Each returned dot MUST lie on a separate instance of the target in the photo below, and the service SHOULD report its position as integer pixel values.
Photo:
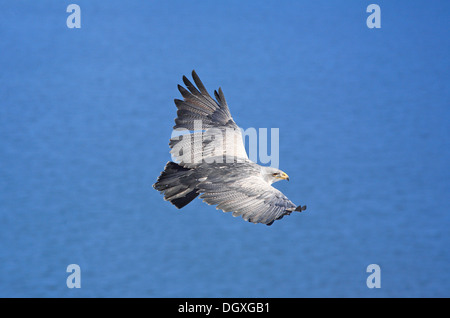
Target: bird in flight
(213, 163)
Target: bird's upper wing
(237, 188)
(209, 128)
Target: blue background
(86, 115)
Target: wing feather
(240, 189)
(210, 119)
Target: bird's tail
(178, 184)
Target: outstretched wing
(209, 129)
(244, 193)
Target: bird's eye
(275, 174)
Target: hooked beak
(284, 176)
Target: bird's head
(272, 175)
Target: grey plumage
(218, 170)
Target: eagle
(212, 162)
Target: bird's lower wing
(250, 197)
